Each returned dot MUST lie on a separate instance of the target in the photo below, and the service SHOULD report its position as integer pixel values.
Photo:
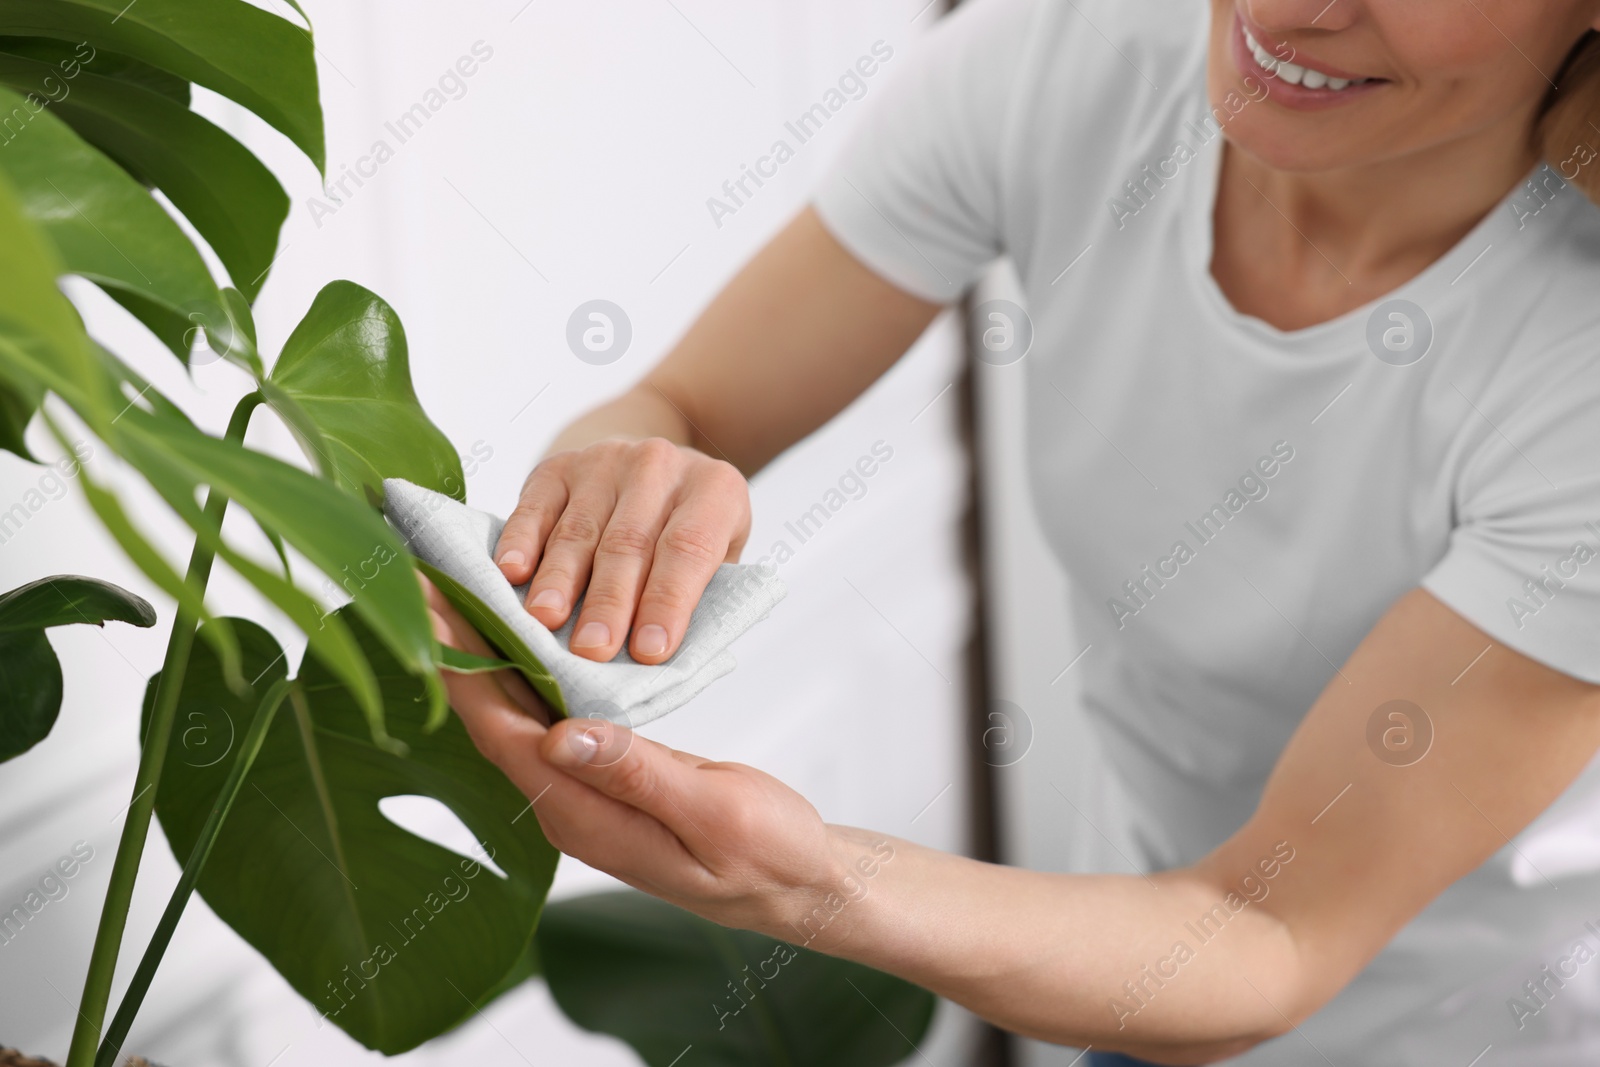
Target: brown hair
(1567, 131)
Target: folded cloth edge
(453, 544)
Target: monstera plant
(267, 777)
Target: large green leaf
(30, 674)
(42, 344)
(65, 61)
(70, 598)
(232, 199)
(17, 407)
(343, 385)
(107, 227)
(338, 533)
(662, 980)
(329, 640)
(249, 55)
(499, 635)
(148, 558)
(394, 938)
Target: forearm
(1080, 960)
(1185, 966)
(640, 412)
(796, 335)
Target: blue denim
(1114, 1059)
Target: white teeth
(1294, 73)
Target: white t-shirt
(1237, 505)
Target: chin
(1282, 139)
(1285, 150)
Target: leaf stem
(260, 723)
(130, 848)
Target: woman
(1313, 427)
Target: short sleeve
(1523, 563)
(915, 194)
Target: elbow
(1255, 1012)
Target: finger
(569, 553)
(449, 625)
(526, 697)
(621, 562)
(497, 724)
(614, 837)
(685, 798)
(694, 543)
(544, 495)
(467, 692)
(576, 818)
(452, 629)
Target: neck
(1373, 219)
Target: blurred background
(577, 164)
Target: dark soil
(10, 1057)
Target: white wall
(576, 165)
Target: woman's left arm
(1184, 966)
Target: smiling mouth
(1296, 73)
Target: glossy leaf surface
(249, 55)
(393, 937)
(30, 675)
(662, 980)
(343, 385)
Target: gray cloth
(459, 541)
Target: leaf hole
(431, 820)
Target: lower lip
(1297, 97)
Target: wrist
(833, 906)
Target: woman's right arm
(641, 499)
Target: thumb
(643, 774)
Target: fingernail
(592, 742)
(513, 559)
(592, 635)
(586, 744)
(651, 640)
(547, 598)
